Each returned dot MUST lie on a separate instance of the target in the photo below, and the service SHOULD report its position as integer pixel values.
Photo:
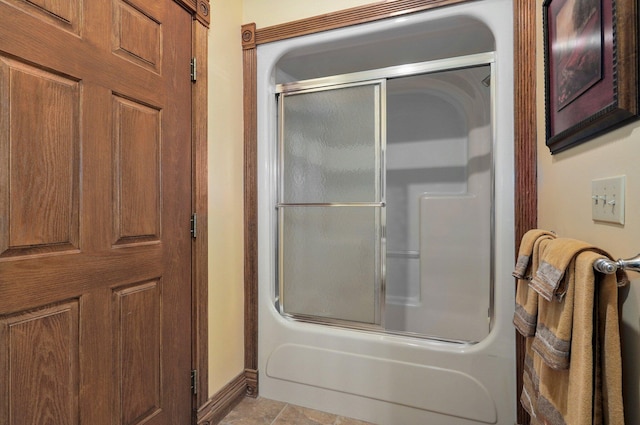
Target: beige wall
(226, 237)
(564, 205)
(266, 13)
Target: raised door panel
(138, 35)
(137, 348)
(39, 151)
(137, 171)
(40, 360)
(65, 14)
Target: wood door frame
(525, 136)
(200, 10)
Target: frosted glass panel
(439, 204)
(330, 146)
(329, 259)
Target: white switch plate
(607, 199)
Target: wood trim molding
(525, 116)
(250, 202)
(524, 131)
(199, 8)
(348, 17)
(203, 12)
(218, 406)
(248, 36)
(525, 139)
(200, 258)
(251, 376)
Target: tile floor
(262, 411)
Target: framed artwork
(591, 68)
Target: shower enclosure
(385, 218)
(385, 199)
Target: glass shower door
(330, 203)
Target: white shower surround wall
(382, 378)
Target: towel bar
(609, 267)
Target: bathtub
(384, 377)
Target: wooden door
(95, 205)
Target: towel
(526, 250)
(572, 371)
(548, 278)
(526, 310)
(555, 319)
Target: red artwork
(577, 48)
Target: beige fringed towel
(572, 372)
(526, 313)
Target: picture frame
(591, 69)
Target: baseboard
(223, 401)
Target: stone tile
(295, 415)
(251, 411)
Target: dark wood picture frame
(591, 69)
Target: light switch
(607, 199)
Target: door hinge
(194, 382)
(194, 225)
(194, 69)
